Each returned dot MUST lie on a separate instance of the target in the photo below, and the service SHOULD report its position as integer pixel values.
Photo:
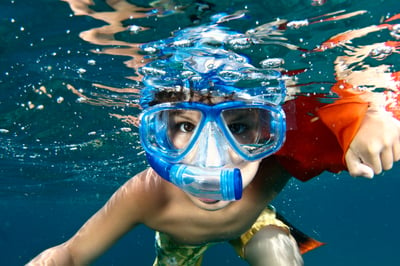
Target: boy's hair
(181, 95)
(201, 68)
(202, 75)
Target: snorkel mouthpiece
(219, 184)
(209, 183)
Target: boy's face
(211, 149)
(244, 127)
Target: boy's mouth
(208, 201)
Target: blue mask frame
(152, 131)
(219, 183)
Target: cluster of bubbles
(216, 36)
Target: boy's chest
(196, 226)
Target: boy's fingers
(373, 159)
(356, 167)
(396, 144)
(396, 151)
(387, 158)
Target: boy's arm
(318, 134)
(128, 207)
(366, 125)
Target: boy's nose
(213, 146)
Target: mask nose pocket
(211, 149)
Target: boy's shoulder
(146, 184)
(150, 190)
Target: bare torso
(148, 199)
(179, 217)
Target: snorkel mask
(206, 110)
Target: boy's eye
(186, 127)
(237, 128)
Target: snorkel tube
(209, 183)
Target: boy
(209, 127)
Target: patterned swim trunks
(170, 253)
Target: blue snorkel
(218, 184)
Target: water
(68, 105)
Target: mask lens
(181, 126)
(170, 131)
(255, 132)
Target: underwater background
(69, 91)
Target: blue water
(66, 141)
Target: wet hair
(190, 95)
(204, 73)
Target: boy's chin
(209, 204)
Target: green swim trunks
(170, 253)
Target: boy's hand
(376, 145)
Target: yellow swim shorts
(170, 253)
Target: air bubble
(240, 43)
(230, 75)
(380, 53)
(297, 24)
(395, 33)
(81, 71)
(153, 71)
(150, 50)
(272, 63)
(187, 73)
(60, 99)
(182, 43)
(134, 29)
(210, 66)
